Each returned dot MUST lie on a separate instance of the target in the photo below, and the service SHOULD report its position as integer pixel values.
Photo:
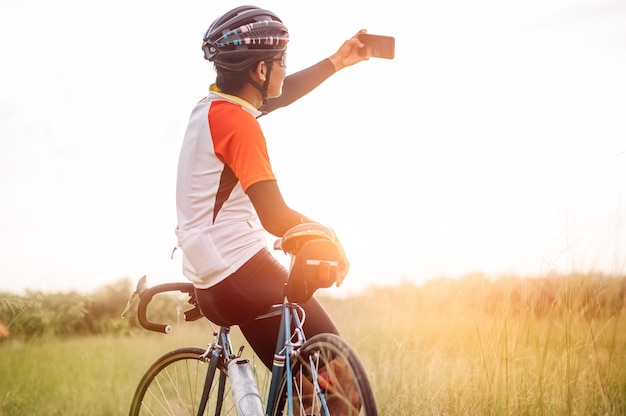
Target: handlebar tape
(145, 296)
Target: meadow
(469, 346)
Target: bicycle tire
(327, 355)
(173, 385)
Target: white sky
(495, 141)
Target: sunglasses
(282, 59)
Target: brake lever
(129, 303)
(141, 287)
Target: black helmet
(244, 36)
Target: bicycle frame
(288, 340)
(282, 355)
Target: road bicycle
(321, 375)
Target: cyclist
(227, 194)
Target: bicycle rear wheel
(173, 385)
(327, 375)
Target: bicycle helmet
(244, 36)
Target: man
(227, 194)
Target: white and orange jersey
(223, 153)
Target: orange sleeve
(239, 143)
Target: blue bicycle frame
(282, 355)
(281, 366)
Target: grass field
(467, 347)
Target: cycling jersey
(223, 153)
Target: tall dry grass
(451, 347)
(509, 347)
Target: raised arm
(299, 84)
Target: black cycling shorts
(250, 292)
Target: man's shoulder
(228, 113)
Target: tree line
(38, 314)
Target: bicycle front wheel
(173, 385)
(327, 378)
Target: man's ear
(260, 71)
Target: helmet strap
(266, 84)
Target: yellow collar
(213, 88)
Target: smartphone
(377, 46)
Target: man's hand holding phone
(361, 47)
